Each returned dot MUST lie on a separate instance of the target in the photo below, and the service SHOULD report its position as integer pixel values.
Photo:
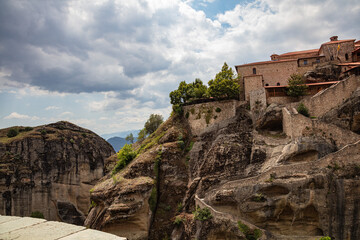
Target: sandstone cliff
(257, 182)
(50, 169)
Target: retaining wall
(296, 125)
(200, 116)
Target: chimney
(334, 38)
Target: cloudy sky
(107, 65)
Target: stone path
(26, 228)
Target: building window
(346, 56)
(254, 70)
(278, 84)
(331, 58)
(305, 62)
(267, 84)
(318, 60)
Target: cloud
(66, 114)
(133, 53)
(52, 108)
(15, 115)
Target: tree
(297, 86)
(224, 85)
(154, 121)
(141, 135)
(130, 138)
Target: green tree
(154, 121)
(12, 132)
(197, 89)
(297, 86)
(130, 138)
(224, 85)
(141, 135)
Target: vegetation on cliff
(223, 86)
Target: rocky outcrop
(256, 182)
(323, 73)
(141, 201)
(271, 119)
(50, 169)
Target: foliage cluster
(150, 126)
(202, 214)
(37, 214)
(224, 86)
(325, 238)
(178, 220)
(250, 234)
(297, 86)
(125, 156)
(13, 132)
(303, 110)
(130, 138)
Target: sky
(106, 65)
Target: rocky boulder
(50, 169)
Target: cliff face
(256, 182)
(50, 169)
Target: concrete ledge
(26, 228)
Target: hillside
(273, 174)
(50, 169)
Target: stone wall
(331, 51)
(332, 97)
(258, 100)
(296, 125)
(252, 83)
(200, 116)
(273, 72)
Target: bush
(125, 156)
(43, 132)
(178, 220)
(37, 214)
(325, 238)
(297, 86)
(218, 110)
(303, 110)
(202, 214)
(249, 234)
(12, 133)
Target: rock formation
(50, 169)
(239, 178)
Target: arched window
(278, 84)
(254, 70)
(267, 84)
(346, 56)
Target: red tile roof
(299, 52)
(339, 41)
(349, 64)
(308, 84)
(266, 62)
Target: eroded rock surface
(256, 182)
(141, 201)
(50, 169)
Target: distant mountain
(120, 134)
(117, 142)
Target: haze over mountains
(117, 139)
